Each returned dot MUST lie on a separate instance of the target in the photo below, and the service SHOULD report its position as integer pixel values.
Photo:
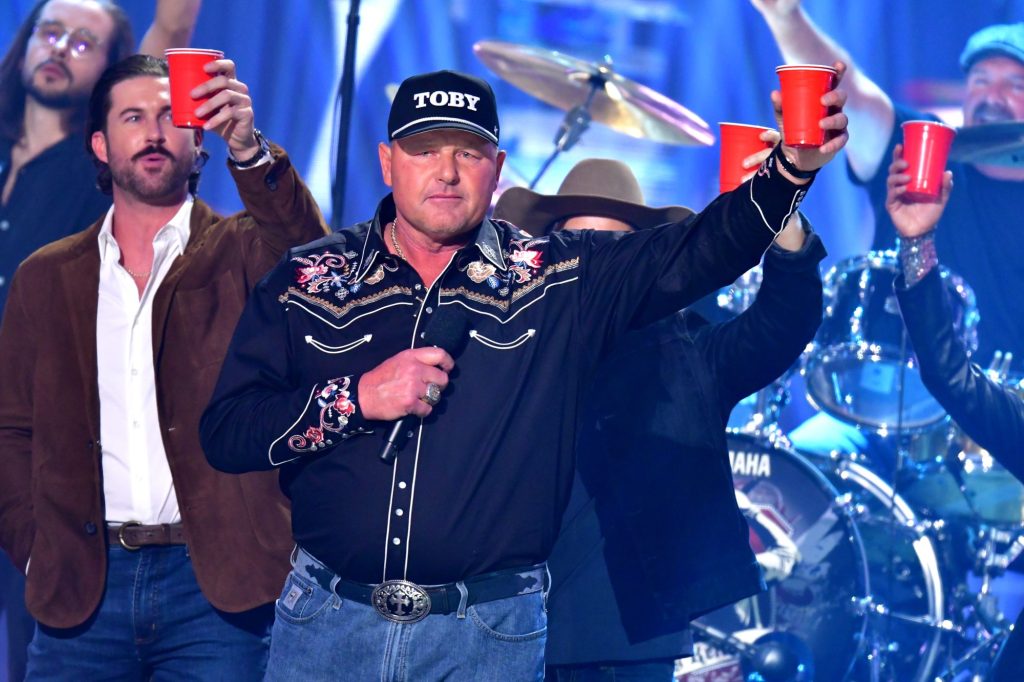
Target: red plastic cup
(186, 71)
(802, 86)
(926, 149)
(738, 142)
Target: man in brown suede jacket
(142, 560)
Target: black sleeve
(755, 348)
(647, 275)
(990, 413)
(259, 417)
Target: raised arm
(990, 414)
(762, 342)
(284, 210)
(650, 274)
(869, 109)
(172, 26)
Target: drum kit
(866, 560)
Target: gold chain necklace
(394, 242)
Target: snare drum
(861, 368)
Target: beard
(67, 98)
(163, 188)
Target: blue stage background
(715, 57)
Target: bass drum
(838, 549)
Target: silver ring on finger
(433, 396)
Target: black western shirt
(482, 483)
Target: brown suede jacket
(51, 489)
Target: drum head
(810, 552)
(861, 368)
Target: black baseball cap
(443, 99)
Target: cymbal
(619, 103)
(999, 144)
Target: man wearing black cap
(631, 548)
(431, 565)
(983, 217)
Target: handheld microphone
(446, 329)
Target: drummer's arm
(989, 413)
(992, 415)
(869, 109)
(755, 348)
(172, 26)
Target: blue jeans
(153, 623)
(641, 671)
(20, 625)
(318, 636)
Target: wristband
(789, 167)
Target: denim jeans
(20, 625)
(153, 623)
(318, 636)
(642, 671)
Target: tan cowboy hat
(602, 187)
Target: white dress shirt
(137, 483)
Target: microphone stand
(345, 88)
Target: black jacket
(988, 412)
(652, 537)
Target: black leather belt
(401, 601)
(133, 535)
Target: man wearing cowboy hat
(652, 480)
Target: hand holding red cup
(926, 147)
(802, 87)
(811, 116)
(186, 68)
(911, 216)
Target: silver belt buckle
(401, 601)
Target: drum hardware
(999, 366)
(982, 631)
(591, 92)
(994, 550)
(773, 657)
(868, 606)
(865, 593)
(860, 368)
(963, 482)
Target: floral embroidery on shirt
(335, 409)
(376, 277)
(321, 272)
(526, 262)
(479, 272)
